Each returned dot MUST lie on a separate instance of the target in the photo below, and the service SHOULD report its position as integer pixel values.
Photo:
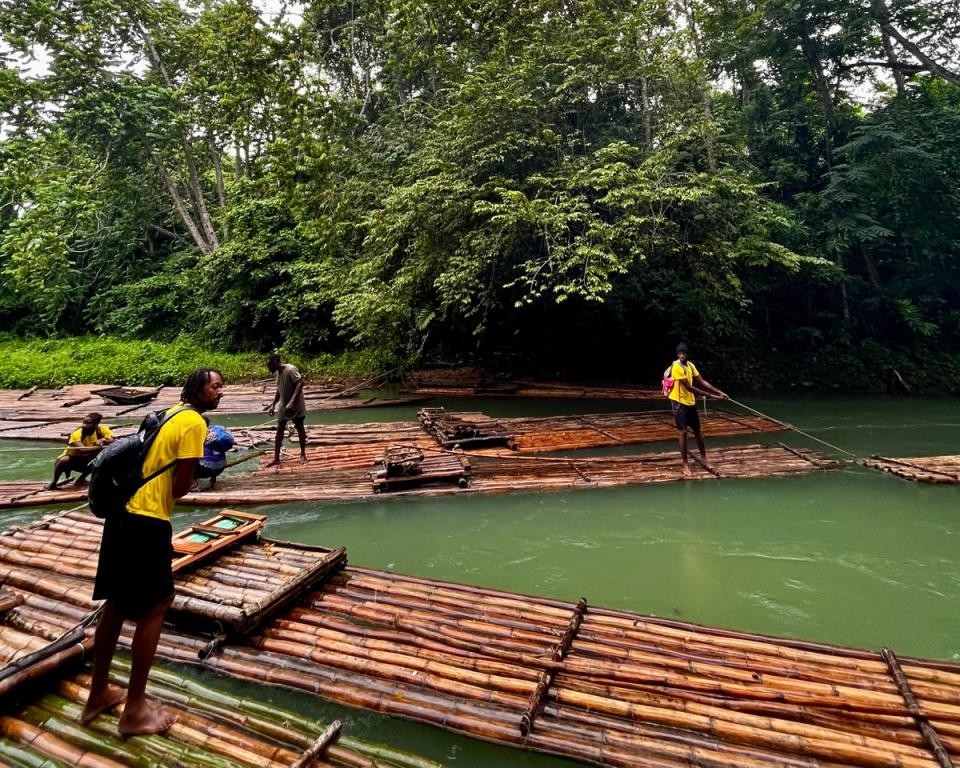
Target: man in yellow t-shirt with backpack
(687, 384)
(134, 572)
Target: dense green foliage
(95, 360)
(562, 186)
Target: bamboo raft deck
(596, 685)
(211, 728)
(331, 475)
(479, 382)
(528, 435)
(536, 435)
(222, 592)
(942, 470)
(43, 407)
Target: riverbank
(54, 363)
(92, 359)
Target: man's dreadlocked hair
(196, 381)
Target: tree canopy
(574, 183)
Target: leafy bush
(108, 360)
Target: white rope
(795, 429)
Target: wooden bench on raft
(464, 430)
(229, 579)
(404, 466)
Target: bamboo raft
(479, 382)
(942, 470)
(335, 475)
(536, 435)
(55, 559)
(596, 685)
(43, 407)
(211, 728)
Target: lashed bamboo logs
(72, 403)
(630, 690)
(478, 382)
(546, 677)
(930, 736)
(941, 470)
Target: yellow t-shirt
(77, 436)
(180, 438)
(677, 372)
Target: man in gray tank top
(293, 407)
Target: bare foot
(303, 459)
(96, 706)
(274, 463)
(146, 720)
(686, 471)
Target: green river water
(854, 557)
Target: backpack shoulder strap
(167, 416)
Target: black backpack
(116, 473)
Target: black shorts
(297, 422)
(79, 464)
(686, 416)
(135, 566)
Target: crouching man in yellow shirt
(134, 573)
(687, 384)
(84, 443)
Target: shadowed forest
(558, 186)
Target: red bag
(667, 383)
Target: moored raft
(333, 474)
(223, 588)
(479, 382)
(212, 728)
(941, 470)
(42, 407)
(597, 685)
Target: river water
(854, 557)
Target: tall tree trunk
(868, 261)
(194, 186)
(178, 203)
(702, 84)
(237, 161)
(196, 191)
(221, 187)
(645, 103)
(823, 91)
(894, 63)
(218, 168)
(880, 12)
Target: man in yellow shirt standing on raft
(687, 384)
(134, 574)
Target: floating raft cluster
(212, 728)
(336, 474)
(530, 435)
(595, 685)
(27, 413)
(942, 470)
(479, 382)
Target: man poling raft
(682, 383)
